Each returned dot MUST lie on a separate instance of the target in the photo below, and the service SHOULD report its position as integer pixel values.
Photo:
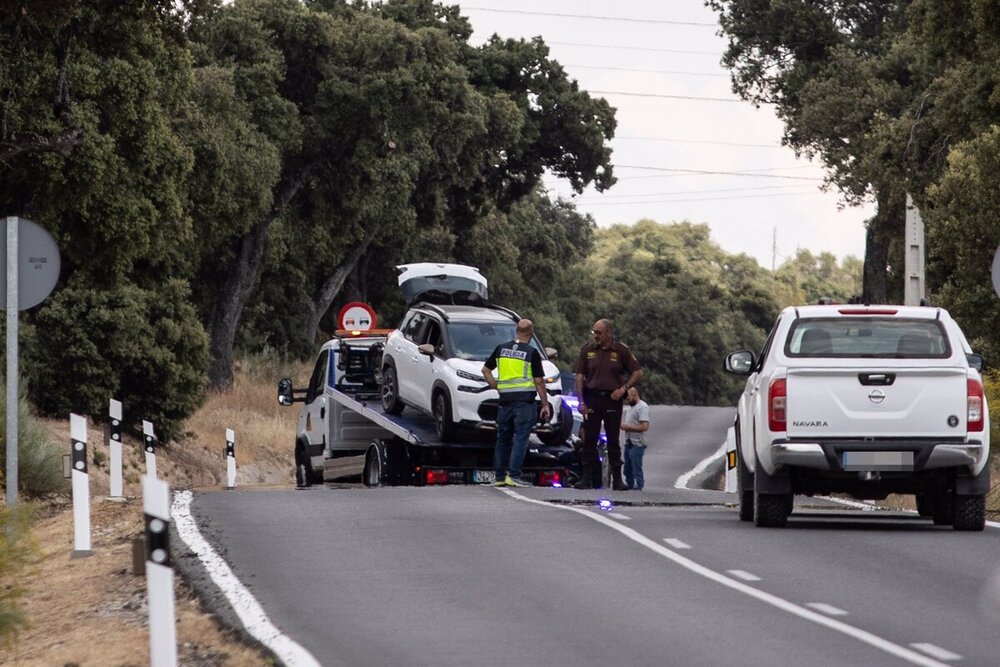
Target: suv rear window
(870, 337)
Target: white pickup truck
(866, 401)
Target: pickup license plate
(483, 477)
(878, 461)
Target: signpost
(30, 271)
(996, 272)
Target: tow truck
(344, 436)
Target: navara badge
(876, 396)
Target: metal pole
(13, 372)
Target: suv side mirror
(426, 348)
(286, 393)
(551, 353)
(740, 363)
(976, 361)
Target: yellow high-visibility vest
(514, 372)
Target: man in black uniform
(605, 371)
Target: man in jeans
(635, 422)
(519, 377)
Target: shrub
(15, 554)
(39, 460)
(143, 347)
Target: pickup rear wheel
(970, 512)
(390, 391)
(744, 484)
(443, 423)
(771, 509)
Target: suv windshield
(889, 338)
(477, 340)
(444, 289)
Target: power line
(671, 97)
(650, 71)
(604, 197)
(718, 173)
(700, 199)
(591, 16)
(699, 141)
(620, 47)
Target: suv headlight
(465, 375)
(552, 378)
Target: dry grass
(92, 611)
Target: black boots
(586, 476)
(616, 479)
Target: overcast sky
(662, 131)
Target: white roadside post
(159, 573)
(115, 447)
(230, 459)
(81, 487)
(731, 460)
(149, 444)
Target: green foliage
(143, 347)
(807, 277)
(39, 459)
(15, 555)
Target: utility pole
(914, 259)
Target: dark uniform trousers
(602, 408)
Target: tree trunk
(874, 288)
(332, 285)
(235, 292)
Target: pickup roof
(863, 400)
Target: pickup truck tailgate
(890, 402)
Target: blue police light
(605, 504)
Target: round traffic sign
(38, 264)
(357, 316)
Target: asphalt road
(483, 576)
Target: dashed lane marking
(824, 608)
(864, 636)
(675, 543)
(744, 575)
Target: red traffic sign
(357, 316)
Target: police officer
(605, 371)
(519, 376)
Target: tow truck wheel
(305, 476)
(373, 467)
(563, 430)
(443, 424)
(970, 512)
(390, 391)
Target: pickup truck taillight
(776, 397)
(975, 398)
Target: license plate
(483, 476)
(878, 461)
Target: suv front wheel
(390, 391)
(443, 423)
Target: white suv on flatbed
(867, 401)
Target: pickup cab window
(879, 338)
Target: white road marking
(682, 481)
(620, 517)
(675, 543)
(744, 575)
(826, 609)
(250, 612)
(805, 613)
(937, 652)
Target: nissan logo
(876, 396)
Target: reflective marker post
(115, 447)
(230, 459)
(731, 460)
(81, 487)
(159, 573)
(149, 444)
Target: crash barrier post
(159, 573)
(81, 486)
(730, 462)
(230, 459)
(149, 445)
(114, 434)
